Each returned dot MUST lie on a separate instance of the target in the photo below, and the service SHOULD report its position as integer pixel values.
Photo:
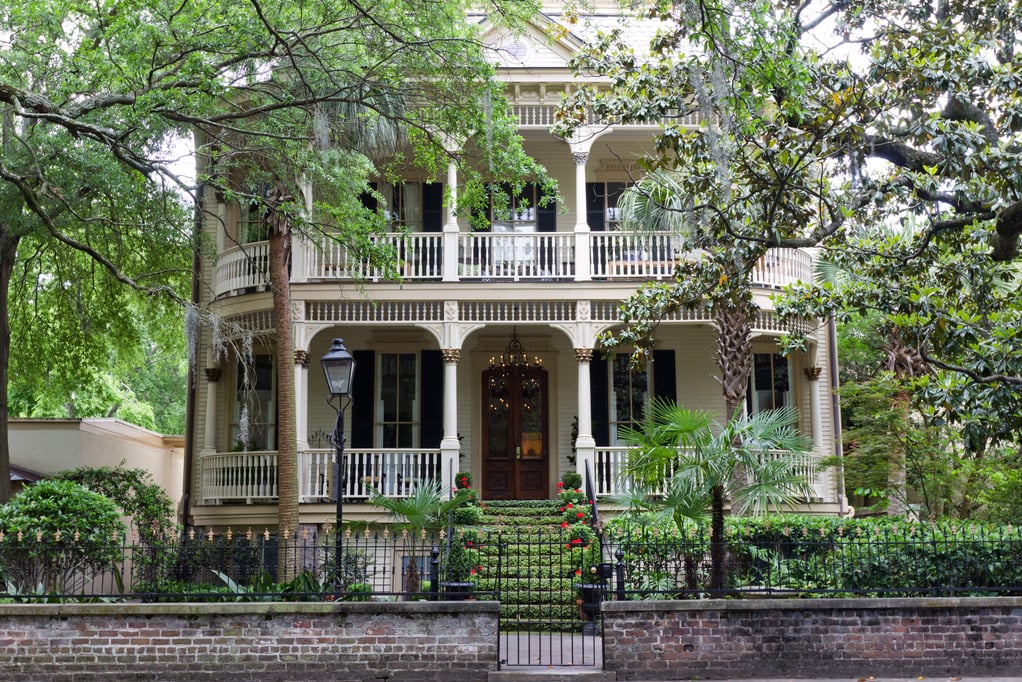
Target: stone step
(552, 674)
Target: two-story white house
(483, 358)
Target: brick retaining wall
(249, 641)
(441, 641)
(813, 638)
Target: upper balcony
(495, 257)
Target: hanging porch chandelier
(514, 355)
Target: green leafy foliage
(886, 133)
(133, 490)
(57, 535)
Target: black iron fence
(911, 560)
(227, 567)
(914, 560)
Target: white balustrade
(504, 256)
(419, 255)
(391, 472)
(516, 255)
(611, 461)
(242, 267)
(252, 476)
(238, 476)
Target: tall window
(402, 205)
(602, 212)
(398, 410)
(629, 392)
(769, 386)
(254, 413)
(251, 221)
(518, 212)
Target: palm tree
(688, 466)
(718, 280)
(424, 509)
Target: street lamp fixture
(339, 368)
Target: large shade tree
(94, 96)
(819, 122)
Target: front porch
(251, 477)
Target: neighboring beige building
(47, 446)
(431, 396)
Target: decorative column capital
(213, 374)
(302, 358)
(584, 354)
(813, 373)
(451, 355)
(580, 158)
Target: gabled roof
(550, 39)
(544, 43)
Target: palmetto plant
(687, 466)
(427, 507)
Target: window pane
(397, 409)
(629, 395)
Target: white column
(583, 269)
(302, 399)
(301, 248)
(450, 447)
(450, 267)
(585, 444)
(813, 375)
(213, 375)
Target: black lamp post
(339, 368)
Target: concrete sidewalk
(591, 674)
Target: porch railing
(504, 256)
(610, 478)
(248, 477)
(419, 255)
(242, 267)
(515, 256)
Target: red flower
(578, 571)
(561, 508)
(560, 484)
(569, 505)
(576, 541)
(564, 524)
(580, 514)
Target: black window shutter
(665, 384)
(595, 202)
(546, 215)
(431, 411)
(432, 207)
(599, 399)
(363, 399)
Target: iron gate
(550, 587)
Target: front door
(516, 443)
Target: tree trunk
(8, 254)
(897, 479)
(287, 437)
(734, 353)
(717, 554)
